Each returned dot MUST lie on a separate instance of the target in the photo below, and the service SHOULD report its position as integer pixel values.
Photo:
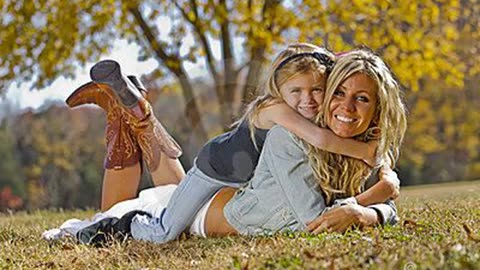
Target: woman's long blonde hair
(341, 176)
(282, 70)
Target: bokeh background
(210, 57)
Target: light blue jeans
(195, 189)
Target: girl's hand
(371, 159)
(341, 218)
(389, 181)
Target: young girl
(293, 94)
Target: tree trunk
(230, 75)
(191, 108)
(258, 56)
(253, 76)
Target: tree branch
(174, 64)
(159, 51)
(201, 35)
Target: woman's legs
(121, 163)
(121, 185)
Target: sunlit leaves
(432, 47)
(411, 35)
(49, 37)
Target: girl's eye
(295, 90)
(338, 93)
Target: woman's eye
(295, 90)
(363, 99)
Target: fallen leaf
(408, 222)
(470, 233)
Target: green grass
(439, 229)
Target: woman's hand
(341, 218)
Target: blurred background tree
(12, 187)
(61, 163)
(432, 46)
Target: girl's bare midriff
(215, 223)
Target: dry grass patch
(437, 231)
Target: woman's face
(353, 105)
(304, 93)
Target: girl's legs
(122, 168)
(170, 221)
(158, 149)
(215, 222)
(121, 163)
(160, 153)
(169, 171)
(188, 198)
(119, 185)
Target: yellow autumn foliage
(431, 46)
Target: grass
(439, 229)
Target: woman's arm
(374, 206)
(388, 187)
(322, 138)
(344, 217)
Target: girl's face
(353, 106)
(304, 93)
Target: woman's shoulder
(280, 138)
(278, 132)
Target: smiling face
(353, 104)
(304, 93)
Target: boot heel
(109, 72)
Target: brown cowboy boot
(122, 148)
(151, 136)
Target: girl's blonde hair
(341, 176)
(296, 59)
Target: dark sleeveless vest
(232, 157)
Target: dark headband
(321, 57)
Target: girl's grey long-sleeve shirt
(283, 193)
